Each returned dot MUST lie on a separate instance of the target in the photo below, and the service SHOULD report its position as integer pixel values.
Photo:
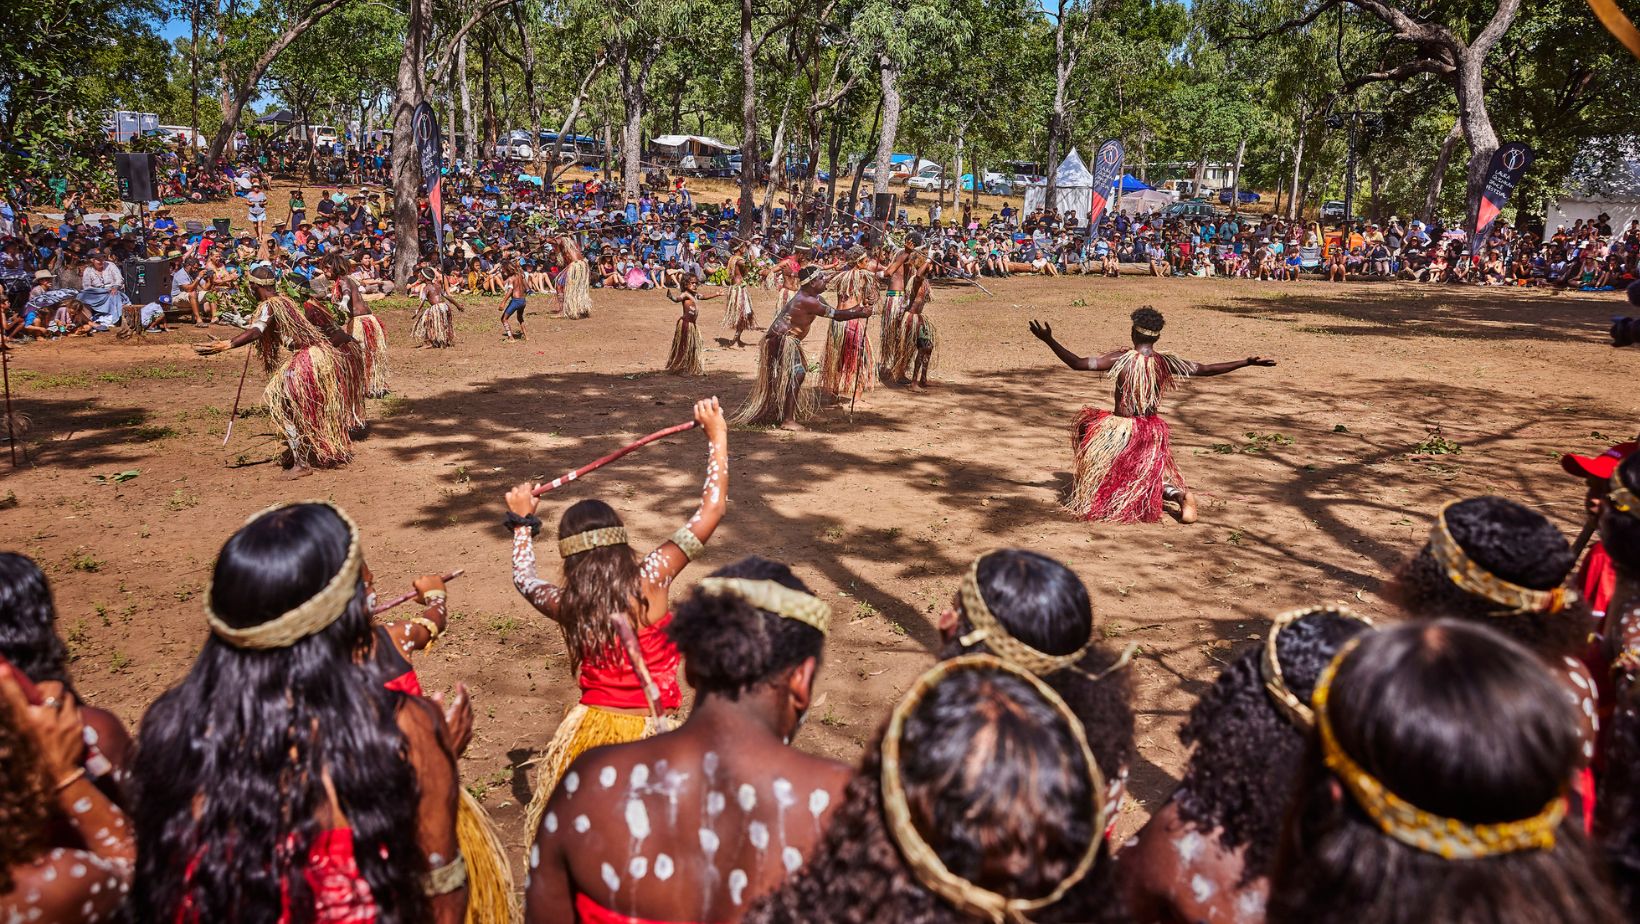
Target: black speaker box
(136, 176)
(146, 280)
(883, 206)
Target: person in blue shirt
(163, 220)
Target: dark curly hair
(1247, 752)
(1619, 531)
(1619, 802)
(599, 585)
(997, 788)
(232, 763)
(25, 798)
(28, 622)
(1045, 605)
(1512, 542)
(730, 646)
(1463, 723)
(1150, 319)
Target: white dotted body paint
(1201, 888)
(82, 805)
(783, 793)
(1250, 906)
(709, 763)
(611, 879)
(640, 776)
(714, 803)
(818, 801)
(552, 822)
(1189, 846)
(758, 833)
(637, 819)
(582, 824)
(747, 797)
(791, 858)
(535, 856)
(638, 867)
(606, 777)
(737, 884)
(572, 782)
(663, 867)
(709, 841)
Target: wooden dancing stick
(5, 375)
(890, 237)
(1583, 538)
(568, 477)
(406, 598)
(234, 414)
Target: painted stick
(234, 414)
(1583, 538)
(568, 477)
(406, 598)
(5, 375)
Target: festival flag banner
(430, 150)
(1107, 170)
(1509, 163)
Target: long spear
(955, 272)
(406, 598)
(5, 375)
(568, 477)
(234, 414)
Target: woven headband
(1297, 711)
(1620, 497)
(989, 629)
(929, 869)
(1145, 331)
(1448, 838)
(591, 539)
(773, 597)
(1461, 570)
(322, 609)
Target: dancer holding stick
(238, 393)
(5, 376)
(614, 610)
(403, 598)
(778, 397)
(593, 466)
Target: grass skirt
(352, 371)
(434, 326)
(584, 728)
(309, 407)
(845, 343)
(1122, 465)
(575, 296)
(737, 314)
(910, 335)
(685, 356)
(889, 336)
(491, 890)
(781, 369)
(367, 329)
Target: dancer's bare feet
(793, 426)
(1187, 508)
(297, 471)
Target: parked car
(1190, 211)
(1332, 210)
(929, 179)
(516, 146)
(1248, 197)
(175, 133)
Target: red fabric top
(340, 894)
(1599, 578)
(614, 685)
(588, 911)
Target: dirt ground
(1318, 477)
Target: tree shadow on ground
(78, 433)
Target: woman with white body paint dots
(694, 825)
(42, 784)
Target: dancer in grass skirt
(1124, 462)
(847, 367)
(685, 356)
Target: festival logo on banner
(1509, 164)
(1107, 171)
(424, 127)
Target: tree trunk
(236, 96)
(1437, 173)
(834, 147)
(567, 129)
(890, 73)
(1235, 180)
(860, 165)
(486, 62)
(469, 127)
(632, 96)
(1056, 120)
(748, 117)
(774, 156)
(1201, 173)
(956, 170)
(1295, 202)
(406, 164)
(529, 79)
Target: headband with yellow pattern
(1297, 711)
(1470, 577)
(929, 869)
(591, 539)
(1620, 497)
(773, 597)
(1448, 838)
(989, 629)
(314, 615)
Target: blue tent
(1129, 184)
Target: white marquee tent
(1590, 191)
(1073, 188)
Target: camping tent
(1593, 189)
(1073, 188)
(1131, 185)
(1142, 202)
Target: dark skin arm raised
(1044, 333)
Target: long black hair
(600, 584)
(1045, 605)
(1510, 541)
(997, 787)
(232, 762)
(1619, 802)
(730, 646)
(28, 622)
(1463, 723)
(1247, 753)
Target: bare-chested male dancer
(738, 316)
(518, 290)
(894, 305)
(778, 397)
(435, 328)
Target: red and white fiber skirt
(1122, 466)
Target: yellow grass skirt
(367, 329)
(737, 314)
(434, 326)
(584, 728)
(577, 296)
(781, 368)
(685, 356)
(492, 895)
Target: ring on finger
(51, 702)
